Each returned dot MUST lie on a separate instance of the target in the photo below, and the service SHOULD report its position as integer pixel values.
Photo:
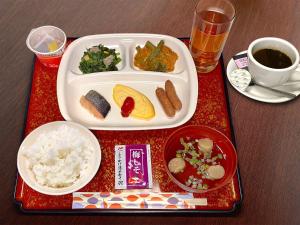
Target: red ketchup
(127, 107)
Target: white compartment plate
(72, 84)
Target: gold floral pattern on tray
(211, 110)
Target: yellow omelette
(143, 108)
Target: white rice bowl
(59, 158)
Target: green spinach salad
(99, 59)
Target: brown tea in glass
(212, 22)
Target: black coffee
(272, 58)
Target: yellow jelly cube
(52, 46)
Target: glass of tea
(211, 26)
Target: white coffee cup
(269, 76)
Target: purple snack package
(133, 167)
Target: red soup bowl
(221, 144)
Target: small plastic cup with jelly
(48, 43)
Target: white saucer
(264, 95)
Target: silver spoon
(242, 79)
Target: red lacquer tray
(212, 110)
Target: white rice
(60, 157)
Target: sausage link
(165, 102)
(171, 93)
